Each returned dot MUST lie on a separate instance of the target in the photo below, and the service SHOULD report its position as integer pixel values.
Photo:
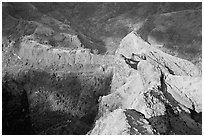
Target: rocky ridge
(140, 90)
(160, 89)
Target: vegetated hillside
(108, 23)
(177, 33)
(23, 19)
(101, 26)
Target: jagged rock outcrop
(61, 75)
(165, 89)
(140, 90)
(123, 122)
(132, 43)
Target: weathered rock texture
(166, 90)
(140, 90)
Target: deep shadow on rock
(37, 102)
(15, 111)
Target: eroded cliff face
(60, 88)
(140, 90)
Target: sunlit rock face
(60, 79)
(163, 88)
(151, 91)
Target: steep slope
(177, 33)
